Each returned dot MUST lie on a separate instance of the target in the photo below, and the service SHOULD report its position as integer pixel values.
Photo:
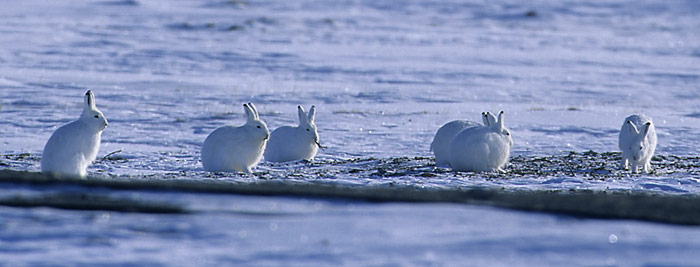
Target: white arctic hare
(481, 148)
(72, 147)
(288, 143)
(443, 137)
(637, 142)
(231, 148)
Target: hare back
(626, 137)
(229, 148)
(70, 150)
(479, 149)
(443, 137)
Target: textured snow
(384, 77)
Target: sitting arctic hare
(288, 143)
(481, 148)
(72, 147)
(637, 142)
(231, 148)
(444, 135)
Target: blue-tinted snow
(384, 76)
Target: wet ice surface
(384, 77)
(254, 231)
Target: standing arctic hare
(288, 143)
(72, 147)
(481, 148)
(637, 142)
(444, 135)
(231, 148)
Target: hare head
(307, 125)
(637, 145)
(91, 116)
(254, 125)
(497, 125)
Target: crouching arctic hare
(637, 142)
(231, 148)
(72, 147)
(289, 143)
(444, 135)
(481, 148)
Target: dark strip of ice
(85, 201)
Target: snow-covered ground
(384, 76)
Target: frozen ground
(384, 76)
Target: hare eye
(97, 116)
(259, 127)
(308, 130)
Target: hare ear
(645, 129)
(312, 114)
(249, 112)
(492, 120)
(485, 119)
(302, 115)
(501, 125)
(89, 101)
(631, 128)
(254, 109)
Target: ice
(384, 77)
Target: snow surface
(384, 75)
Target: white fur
(443, 137)
(637, 142)
(481, 148)
(72, 147)
(230, 148)
(288, 143)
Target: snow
(384, 77)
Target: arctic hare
(288, 143)
(637, 142)
(444, 135)
(481, 148)
(72, 147)
(231, 148)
